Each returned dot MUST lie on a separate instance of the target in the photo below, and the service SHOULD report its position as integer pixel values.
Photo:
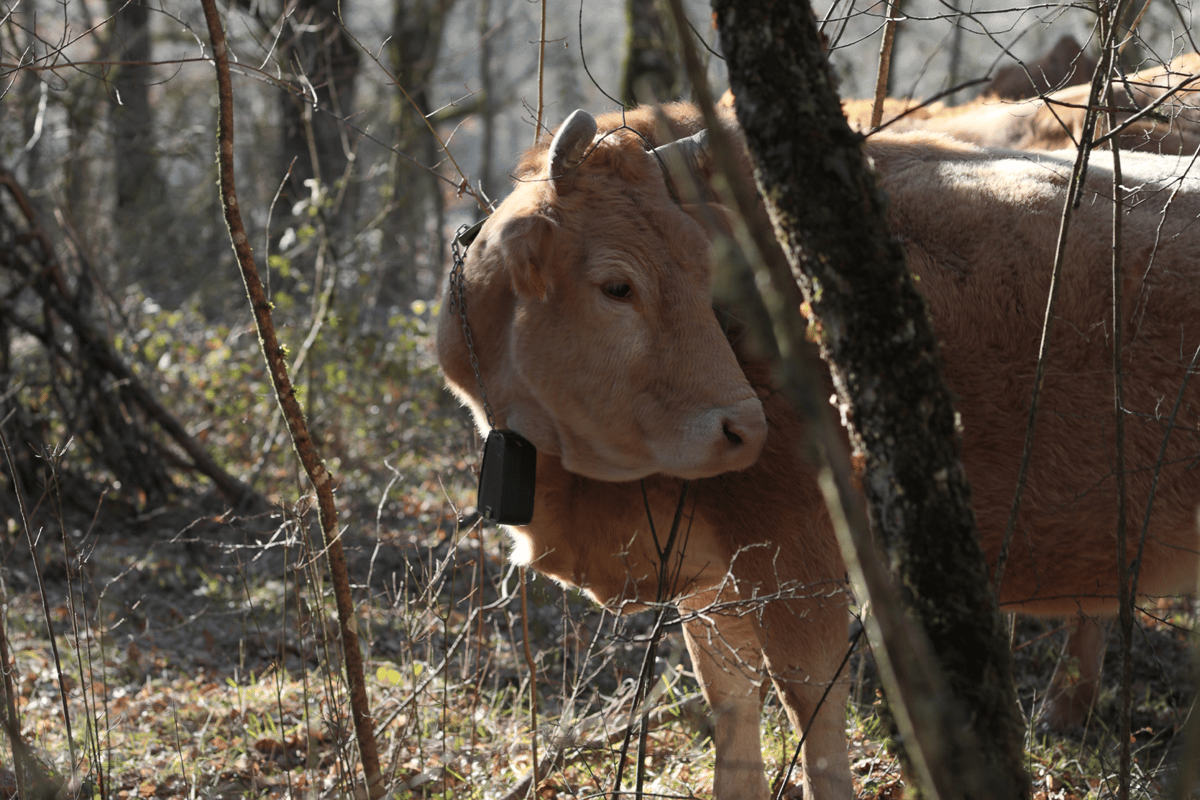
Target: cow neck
(458, 299)
(508, 471)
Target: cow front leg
(728, 663)
(1076, 678)
(824, 755)
(803, 667)
(802, 629)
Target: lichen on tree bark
(882, 354)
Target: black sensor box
(506, 478)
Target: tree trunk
(141, 233)
(134, 147)
(651, 71)
(883, 358)
(416, 246)
(32, 97)
(954, 60)
(326, 62)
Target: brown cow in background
(1055, 121)
(588, 291)
(1064, 65)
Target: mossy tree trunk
(883, 357)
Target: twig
(926, 103)
(1075, 186)
(537, 128)
(88, 688)
(1148, 111)
(1132, 27)
(11, 725)
(786, 770)
(26, 766)
(318, 474)
(885, 62)
(533, 703)
(1108, 24)
(691, 705)
(663, 590)
(533, 697)
(464, 185)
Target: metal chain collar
(458, 298)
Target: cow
(1065, 64)
(588, 294)
(1055, 121)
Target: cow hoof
(1065, 711)
(1076, 679)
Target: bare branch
(318, 474)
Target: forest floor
(198, 653)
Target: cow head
(588, 293)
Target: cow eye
(618, 290)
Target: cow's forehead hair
(616, 223)
(616, 258)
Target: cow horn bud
(686, 160)
(568, 148)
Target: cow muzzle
(725, 439)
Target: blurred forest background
(141, 433)
(342, 112)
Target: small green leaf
(388, 675)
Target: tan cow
(587, 293)
(1056, 121)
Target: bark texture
(134, 146)
(325, 61)
(883, 357)
(651, 72)
(414, 223)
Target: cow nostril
(733, 438)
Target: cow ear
(526, 242)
